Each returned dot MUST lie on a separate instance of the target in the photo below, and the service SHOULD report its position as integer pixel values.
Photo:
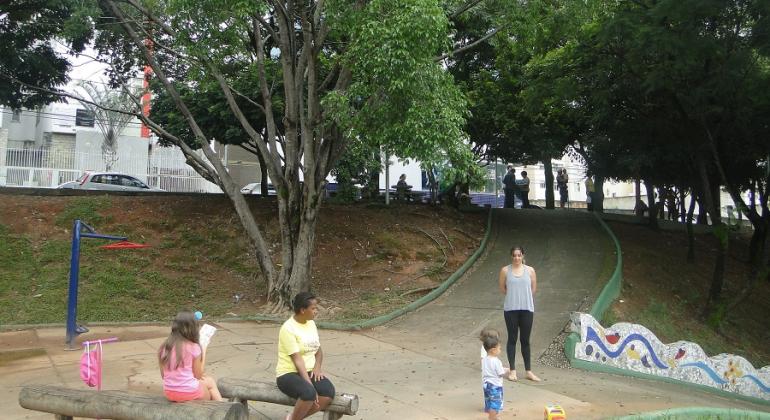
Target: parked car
(256, 188)
(108, 181)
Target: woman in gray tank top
(518, 282)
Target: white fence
(162, 167)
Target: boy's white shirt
(204, 336)
(492, 370)
(483, 352)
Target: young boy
(492, 372)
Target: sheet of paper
(207, 331)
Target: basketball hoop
(124, 245)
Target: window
(542, 185)
(128, 181)
(84, 118)
(16, 117)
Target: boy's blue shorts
(493, 397)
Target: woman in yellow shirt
(298, 371)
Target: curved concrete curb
(609, 293)
(374, 322)
(370, 323)
(698, 413)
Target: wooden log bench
(245, 390)
(66, 403)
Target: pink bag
(91, 365)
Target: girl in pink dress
(181, 361)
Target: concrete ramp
(568, 251)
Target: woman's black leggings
(294, 386)
(515, 321)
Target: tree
(26, 27)
(112, 110)
(347, 70)
(666, 90)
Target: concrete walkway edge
(694, 412)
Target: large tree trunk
(690, 232)
(760, 223)
(598, 198)
(263, 179)
(548, 169)
(433, 186)
(714, 302)
(652, 220)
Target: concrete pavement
(421, 366)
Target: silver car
(256, 188)
(108, 181)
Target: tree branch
(464, 8)
(468, 46)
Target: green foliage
(356, 166)
(28, 57)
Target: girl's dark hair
(519, 247)
(184, 328)
(302, 301)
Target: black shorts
(294, 386)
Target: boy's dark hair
(523, 173)
(302, 301)
(489, 342)
(488, 332)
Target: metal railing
(163, 167)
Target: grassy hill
(367, 257)
(667, 295)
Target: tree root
(418, 290)
(447, 240)
(466, 233)
(437, 244)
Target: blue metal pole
(72, 297)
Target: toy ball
(554, 412)
(198, 315)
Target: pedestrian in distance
(562, 183)
(509, 187)
(492, 373)
(299, 371)
(518, 282)
(590, 193)
(403, 190)
(523, 187)
(182, 360)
